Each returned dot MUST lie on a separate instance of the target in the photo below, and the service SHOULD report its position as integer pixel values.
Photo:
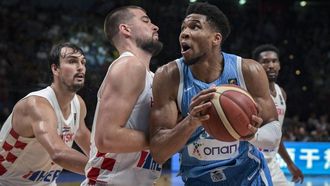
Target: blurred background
(300, 29)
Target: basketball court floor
(170, 179)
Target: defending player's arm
(297, 175)
(122, 86)
(44, 125)
(168, 136)
(83, 135)
(269, 134)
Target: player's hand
(199, 104)
(297, 175)
(253, 127)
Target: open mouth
(80, 76)
(184, 47)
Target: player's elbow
(57, 156)
(103, 144)
(156, 154)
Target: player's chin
(77, 86)
(186, 56)
(272, 77)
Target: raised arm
(119, 92)
(168, 132)
(83, 135)
(43, 122)
(269, 134)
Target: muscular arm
(167, 134)
(121, 88)
(83, 135)
(269, 134)
(40, 119)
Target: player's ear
(125, 29)
(55, 69)
(217, 39)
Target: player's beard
(272, 78)
(75, 87)
(152, 46)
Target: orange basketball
(230, 114)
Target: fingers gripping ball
(230, 114)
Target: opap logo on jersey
(211, 149)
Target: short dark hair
(55, 53)
(214, 16)
(262, 48)
(116, 17)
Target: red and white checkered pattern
(105, 165)
(136, 168)
(11, 148)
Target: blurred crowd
(29, 29)
(316, 128)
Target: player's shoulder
(166, 76)
(130, 63)
(247, 62)
(33, 105)
(170, 69)
(282, 91)
(251, 66)
(127, 67)
(34, 101)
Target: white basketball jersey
(277, 174)
(280, 107)
(24, 161)
(125, 169)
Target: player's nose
(155, 27)
(81, 66)
(184, 34)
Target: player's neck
(208, 68)
(272, 88)
(63, 96)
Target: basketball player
(182, 90)
(36, 139)
(120, 153)
(268, 56)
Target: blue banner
(312, 158)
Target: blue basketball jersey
(207, 161)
